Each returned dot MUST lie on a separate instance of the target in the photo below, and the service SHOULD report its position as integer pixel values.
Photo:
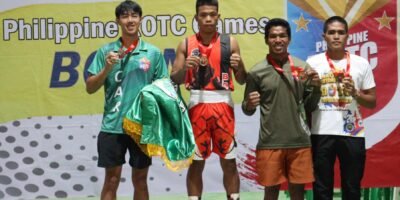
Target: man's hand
(313, 76)
(349, 88)
(192, 61)
(111, 59)
(253, 100)
(235, 61)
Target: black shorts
(111, 149)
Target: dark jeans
(351, 153)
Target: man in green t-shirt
(123, 67)
(282, 85)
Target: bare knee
(112, 179)
(111, 183)
(197, 165)
(228, 166)
(196, 168)
(139, 178)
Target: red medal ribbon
(339, 73)
(296, 71)
(206, 50)
(131, 47)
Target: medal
(121, 52)
(203, 61)
(205, 51)
(339, 74)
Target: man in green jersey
(123, 67)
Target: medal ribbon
(131, 47)
(296, 71)
(337, 72)
(206, 50)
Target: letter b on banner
(58, 68)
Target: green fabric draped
(158, 121)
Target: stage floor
(376, 194)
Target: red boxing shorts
(213, 123)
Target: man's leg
(111, 182)
(199, 117)
(299, 170)
(271, 171)
(194, 179)
(271, 192)
(296, 191)
(139, 181)
(230, 178)
(224, 144)
(351, 153)
(140, 164)
(111, 156)
(324, 156)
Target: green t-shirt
(136, 70)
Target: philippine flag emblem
(144, 64)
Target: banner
(49, 124)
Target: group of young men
(329, 87)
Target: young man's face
(335, 36)
(277, 40)
(129, 23)
(207, 17)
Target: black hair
(206, 2)
(332, 19)
(128, 6)
(277, 22)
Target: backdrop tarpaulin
(49, 124)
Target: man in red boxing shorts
(205, 62)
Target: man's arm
(236, 62)
(366, 98)
(161, 67)
(94, 82)
(312, 92)
(178, 71)
(251, 97)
